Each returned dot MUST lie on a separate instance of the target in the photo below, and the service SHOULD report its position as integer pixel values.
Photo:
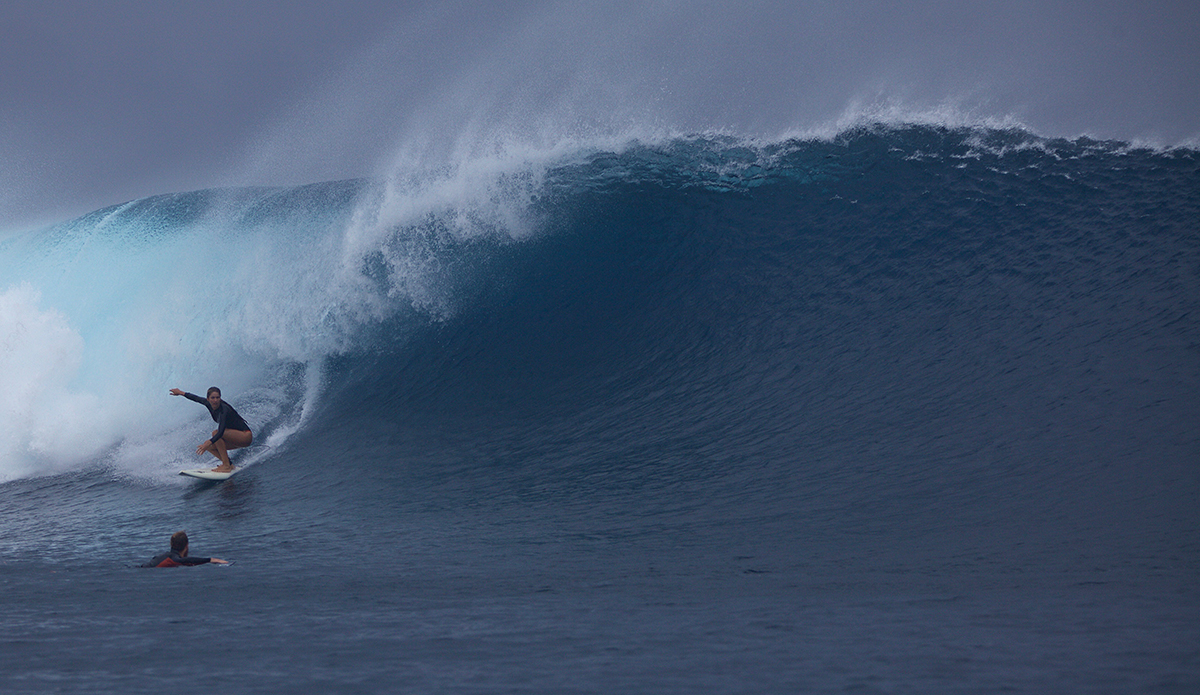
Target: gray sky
(106, 101)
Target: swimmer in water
(178, 555)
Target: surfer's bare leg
(232, 439)
(219, 450)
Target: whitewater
(905, 407)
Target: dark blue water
(911, 409)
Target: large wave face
(897, 330)
(921, 314)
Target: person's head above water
(179, 541)
(214, 396)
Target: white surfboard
(208, 474)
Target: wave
(628, 276)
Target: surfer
(232, 431)
(178, 555)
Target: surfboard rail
(207, 473)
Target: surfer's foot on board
(222, 469)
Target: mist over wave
(446, 79)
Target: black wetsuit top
(225, 416)
(174, 559)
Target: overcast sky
(107, 101)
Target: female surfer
(232, 431)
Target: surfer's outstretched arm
(190, 396)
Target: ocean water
(902, 409)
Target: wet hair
(211, 389)
(179, 541)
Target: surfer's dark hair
(211, 389)
(179, 541)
